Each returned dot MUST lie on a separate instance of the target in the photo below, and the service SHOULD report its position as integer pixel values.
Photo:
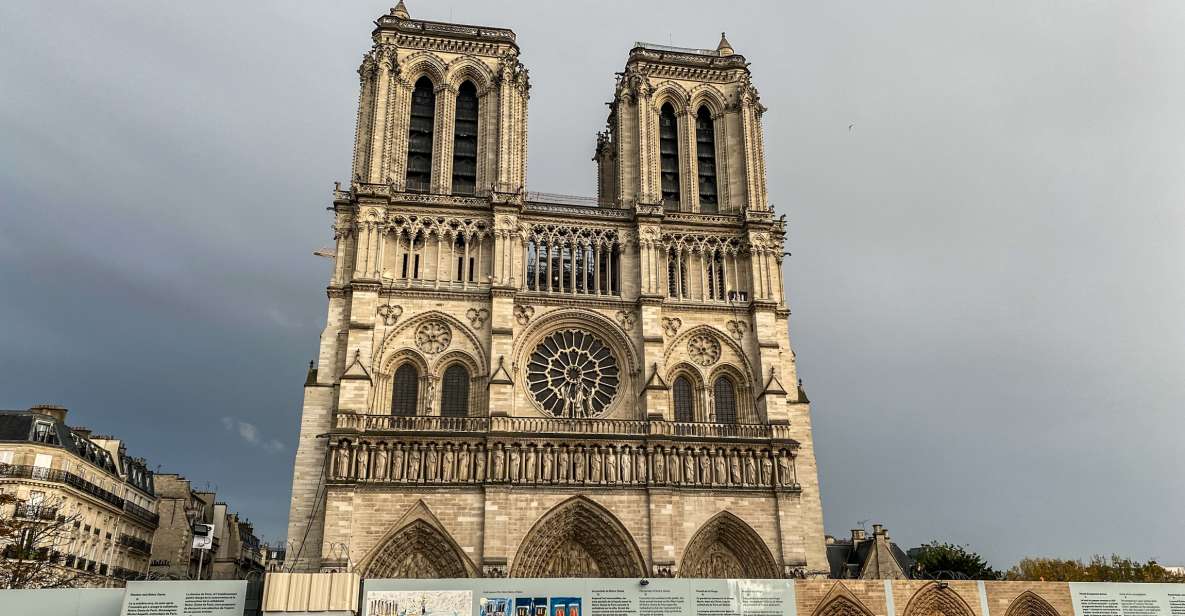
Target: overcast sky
(988, 269)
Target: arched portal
(726, 547)
(418, 550)
(937, 600)
(578, 538)
(841, 602)
(1029, 603)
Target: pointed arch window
(684, 404)
(454, 398)
(419, 136)
(668, 154)
(705, 157)
(725, 394)
(465, 141)
(406, 390)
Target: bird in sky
(850, 126)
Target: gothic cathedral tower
(532, 385)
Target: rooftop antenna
(861, 523)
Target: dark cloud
(987, 277)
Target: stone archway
(1029, 603)
(936, 599)
(417, 546)
(841, 602)
(578, 538)
(726, 547)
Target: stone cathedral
(532, 385)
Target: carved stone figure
(578, 472)
(479, 464)
(430, 471)
(660, 467)
(446, 472)
(341, 466)
(413, 463)
(380, 463)
(689, 457)
(785, 474)
(463, 463)
(611, 465)
(640, 466)
(767, 470)
(397, 463)
(734, 469)
(564, 465)
(361, 462)
(750, 469)
(595, 465)
(515, 463)
(548, 461)
(529, 465)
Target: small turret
(724, 48)
(400, 11)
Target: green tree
(949, 561)
(1098, 569)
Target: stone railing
(559, 426)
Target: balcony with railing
(43, 513)
(39, 473)
(141, 514)
(562, 426)
(135, 543)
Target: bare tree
(32, 539)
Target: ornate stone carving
(523, 314)
(738, 329)
(477, 316)
(626, 319)
(703, 349)
(390, 313)
(433, 336)
(572, 373)
(671, 325)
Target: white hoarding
(185, 598)
(1112, 599)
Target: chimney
(858, 535)
(53, 410)
(828, 539)
(81, 431)
(878, 530)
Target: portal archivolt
(1029, 603)
(418, 550)
(578, 538)
(726, 547)
(937, 600)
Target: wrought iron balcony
(36, 512)
(135, 543)
(39, 473)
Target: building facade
(868, 557)
(532, 385)
(182, 508)
(240, 555)
(102, 500)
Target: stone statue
(446, 473)
(463, 463)
(594, 465)
(397, 463)
(721, 469)
(750, 469)
(430, 472)
(529, 473)
(767, 469)
(578, 473)
(360, 462)
(705, 467)
(734, 469)
(413, 463)
(689, 465)
(342, 466)
(563, 465)
(660, 467)
(479, 464)
(548, 462)
(627, 466)
(640, 466)
(785, 476)
(515, 463)
(611, 466)
(499, 463)
(380, 463)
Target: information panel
(578, 597)
(1107, 599)
(185, 598)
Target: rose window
(572, 374)
(705, 350)
(433, 337)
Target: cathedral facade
(532, 385)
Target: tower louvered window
(705, 156)
(684, 406)
(668, 150)
(454, 398)
(405, 390)
(465, 141)
(419, 136)
(726, 400)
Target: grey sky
(988, 273)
